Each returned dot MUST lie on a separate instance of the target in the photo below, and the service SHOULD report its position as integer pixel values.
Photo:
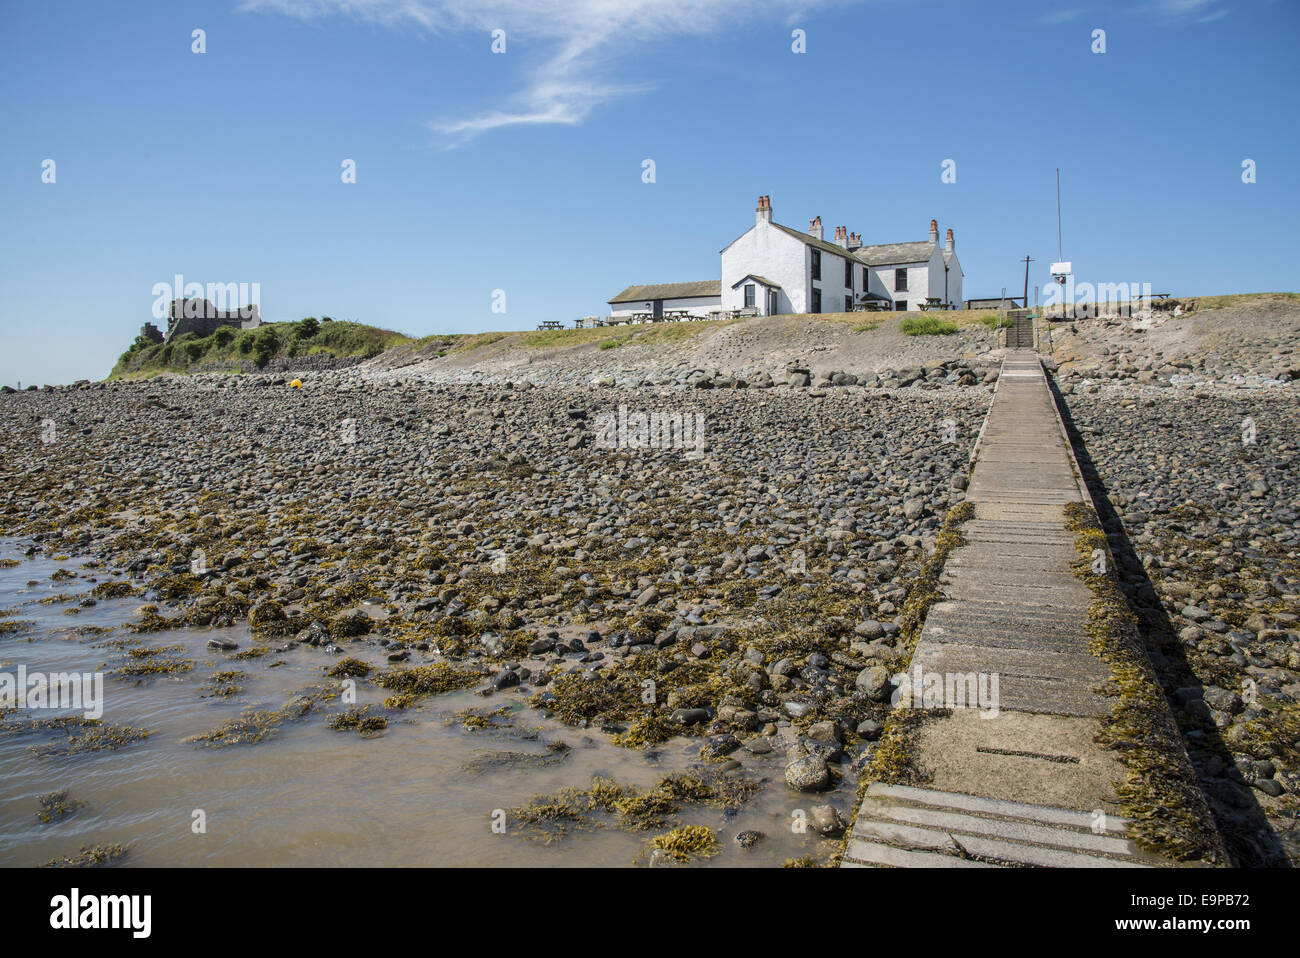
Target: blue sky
(522, 171)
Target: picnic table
(550, 324)
(931, 302)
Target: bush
(224, 336)
(307, 328)
(926, 326)
(991, 321)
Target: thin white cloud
(1197, 11)
(1169, 11)
(1060, 16)
(586, 43)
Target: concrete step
(908, 827)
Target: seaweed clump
(1160, 794)
(159, 660)
(258, 725)
(91, 856)
(549, 817)
(360, 719)
(113, 590)
(57, 805)
(433, 679)
(349, 668)
(83, 734)
(151, 620)
(685, 843)
(226, 684)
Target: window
(749, 294)
(866, 279)
(848, 274)
(900, 280)
(816, 300)
(816, 264)
(900, 306)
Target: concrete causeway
(1016, 777)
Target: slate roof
(636, 294)
(888, 254)
(762, 279)
(814, 242)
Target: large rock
(873, 681)
(808, 774)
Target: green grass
(1237, 299)
(926, 326)
(992, 322)
(228, 346)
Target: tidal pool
(423, 792)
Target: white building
(697, 299)
(778, 269)
(906, 275)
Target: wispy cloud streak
(586, 43)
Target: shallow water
(422, 792)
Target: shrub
(307, 328)
(991, 321)
(224, 336)
(926, 326)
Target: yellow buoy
(296, 384)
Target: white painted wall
(955, 282)
(787, 261)
(923, 280)
(772, 254)
(836, 296)
(918, 282)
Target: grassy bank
(229, 347)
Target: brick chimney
(763, 213)
(855, 240)
(934, 232)
(842, 236)
(815, 227)
(948, 245)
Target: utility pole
(1060, 255)
(1025, 299)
